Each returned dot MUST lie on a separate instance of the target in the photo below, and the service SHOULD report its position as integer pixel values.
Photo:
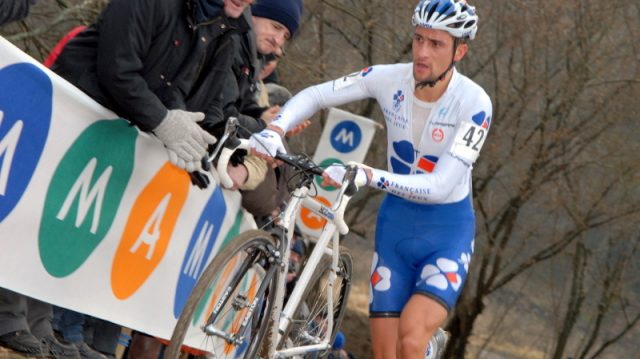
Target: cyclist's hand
(185, 141)
(334, 175)
(267, 144)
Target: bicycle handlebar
(231, 145)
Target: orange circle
(312, 220)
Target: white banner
(345, 137)
(92, 216)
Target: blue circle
(346, 136)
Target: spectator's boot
(58, 350)
(22, 342)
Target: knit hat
(286, 12)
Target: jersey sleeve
(356, 86)
(454, 165)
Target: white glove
(185, 141)
(267, 142)
(337, 171)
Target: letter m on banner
(87, 196)
(8, 146)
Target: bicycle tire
(303, 330)
(221, 268)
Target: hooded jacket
(143, 57)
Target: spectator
(12, 10)
(70, 326)
(160, 65)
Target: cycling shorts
(420, 248)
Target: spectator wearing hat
(273, 22)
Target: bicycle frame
(327, 244)
(330, 234)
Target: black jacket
(12, 10)
(143, 57)
(241, 87)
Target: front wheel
(227, 311)
(310, 323)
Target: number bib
(468, 141)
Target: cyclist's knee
(411, 344)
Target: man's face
(234, 8)
(433, 52)
(270, 35)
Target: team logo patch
(481, 119)
(383, 183)
(465, 259)
(442, 275)
(398, 99)
(381, 279)
(437, 135)
(380, 276)
(427, 163)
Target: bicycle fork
(321, 249)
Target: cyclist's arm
(302, 106)
(126, 31)
(452, 167)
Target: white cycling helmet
(453, 16)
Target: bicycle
(243, 288)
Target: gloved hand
(185, 141)
(335, 173)
(268, 142)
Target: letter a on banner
(346, 137)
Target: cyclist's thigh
(441, 274)
(392, 278)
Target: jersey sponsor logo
(84, 195)
(398, 99)
(148, 230)
(427, 163)
(481, 119)
(437, 134)
(442, 275)
(382, 183)
(367, 70)
(381, 279)
(25, 113)
(380, 276)
(465, 260)
(200, 248)
(405, 155)
(346, 136)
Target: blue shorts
(422, 249)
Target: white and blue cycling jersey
(431, 148)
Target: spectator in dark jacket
(273, 23)
(160, 65)
(12, 10)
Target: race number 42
(469, 140)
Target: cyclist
(437, 121)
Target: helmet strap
(432, 83)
